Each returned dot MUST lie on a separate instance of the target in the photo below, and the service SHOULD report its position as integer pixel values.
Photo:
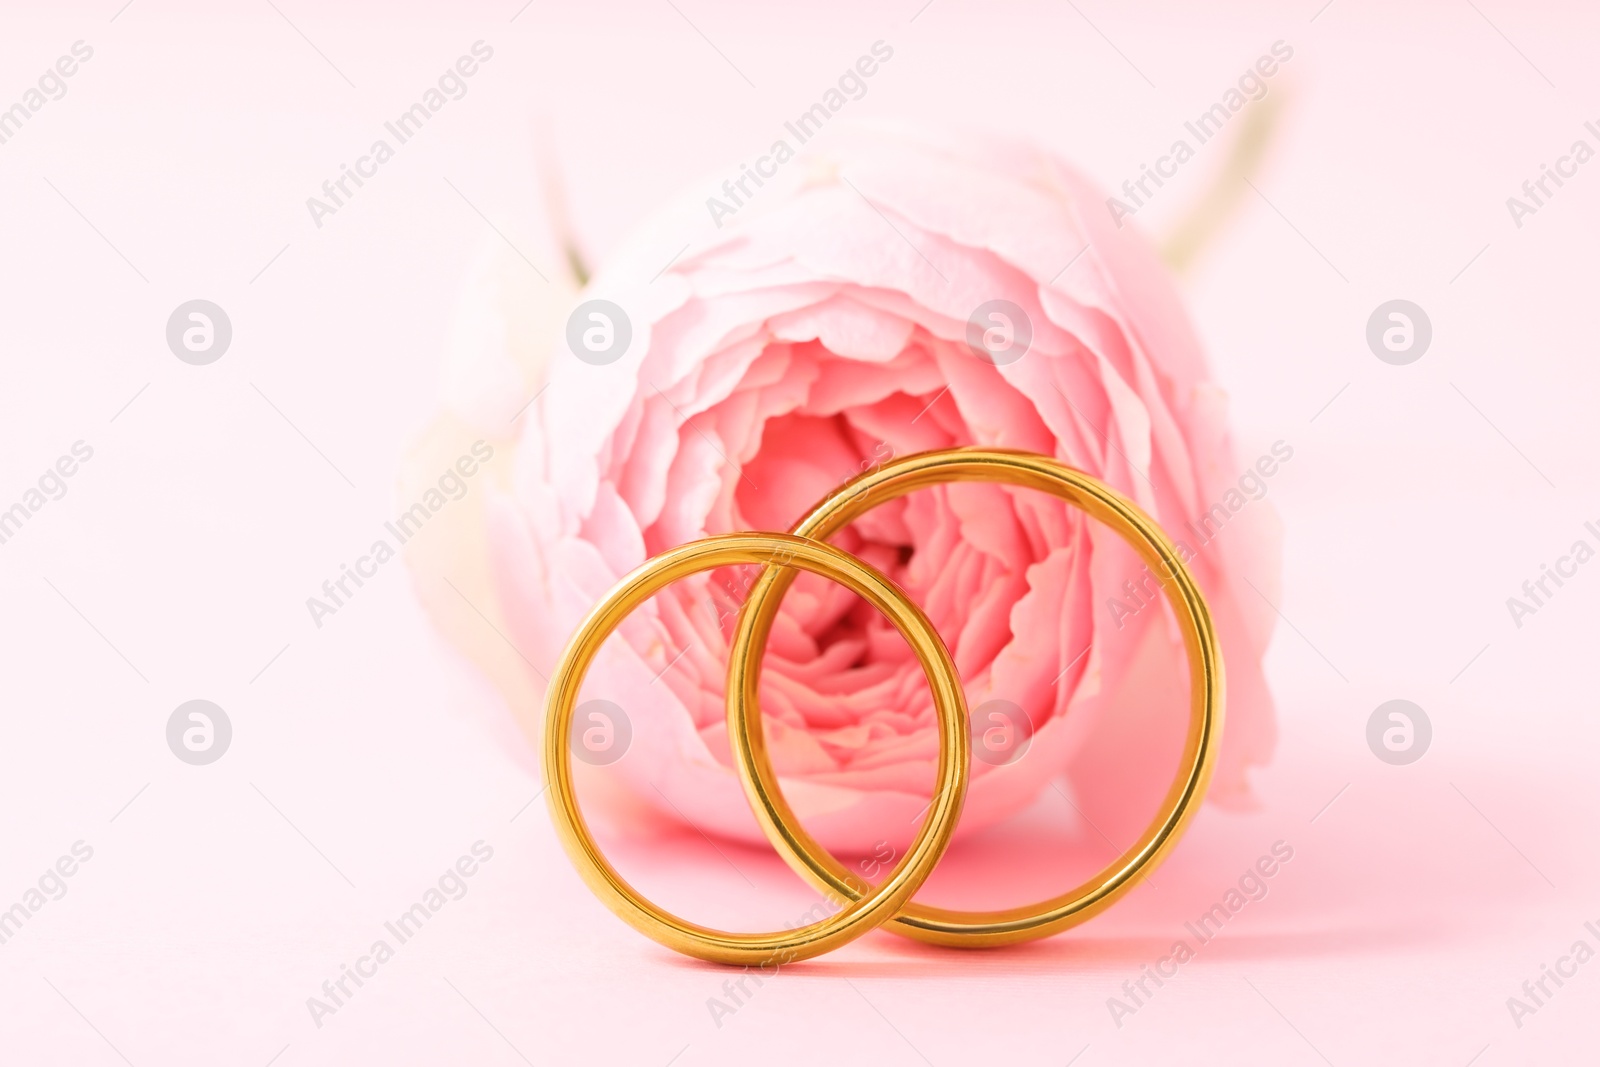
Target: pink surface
(368, 758)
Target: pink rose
(819, 330)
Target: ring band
(982, 928)
(863, 910)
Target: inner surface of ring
(1027, 470)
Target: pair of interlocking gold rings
(864, 906)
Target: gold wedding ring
(864, 906)
(866, 910)
(849, 502)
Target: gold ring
(843, 506)
(864, 910)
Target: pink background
(367, 756)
